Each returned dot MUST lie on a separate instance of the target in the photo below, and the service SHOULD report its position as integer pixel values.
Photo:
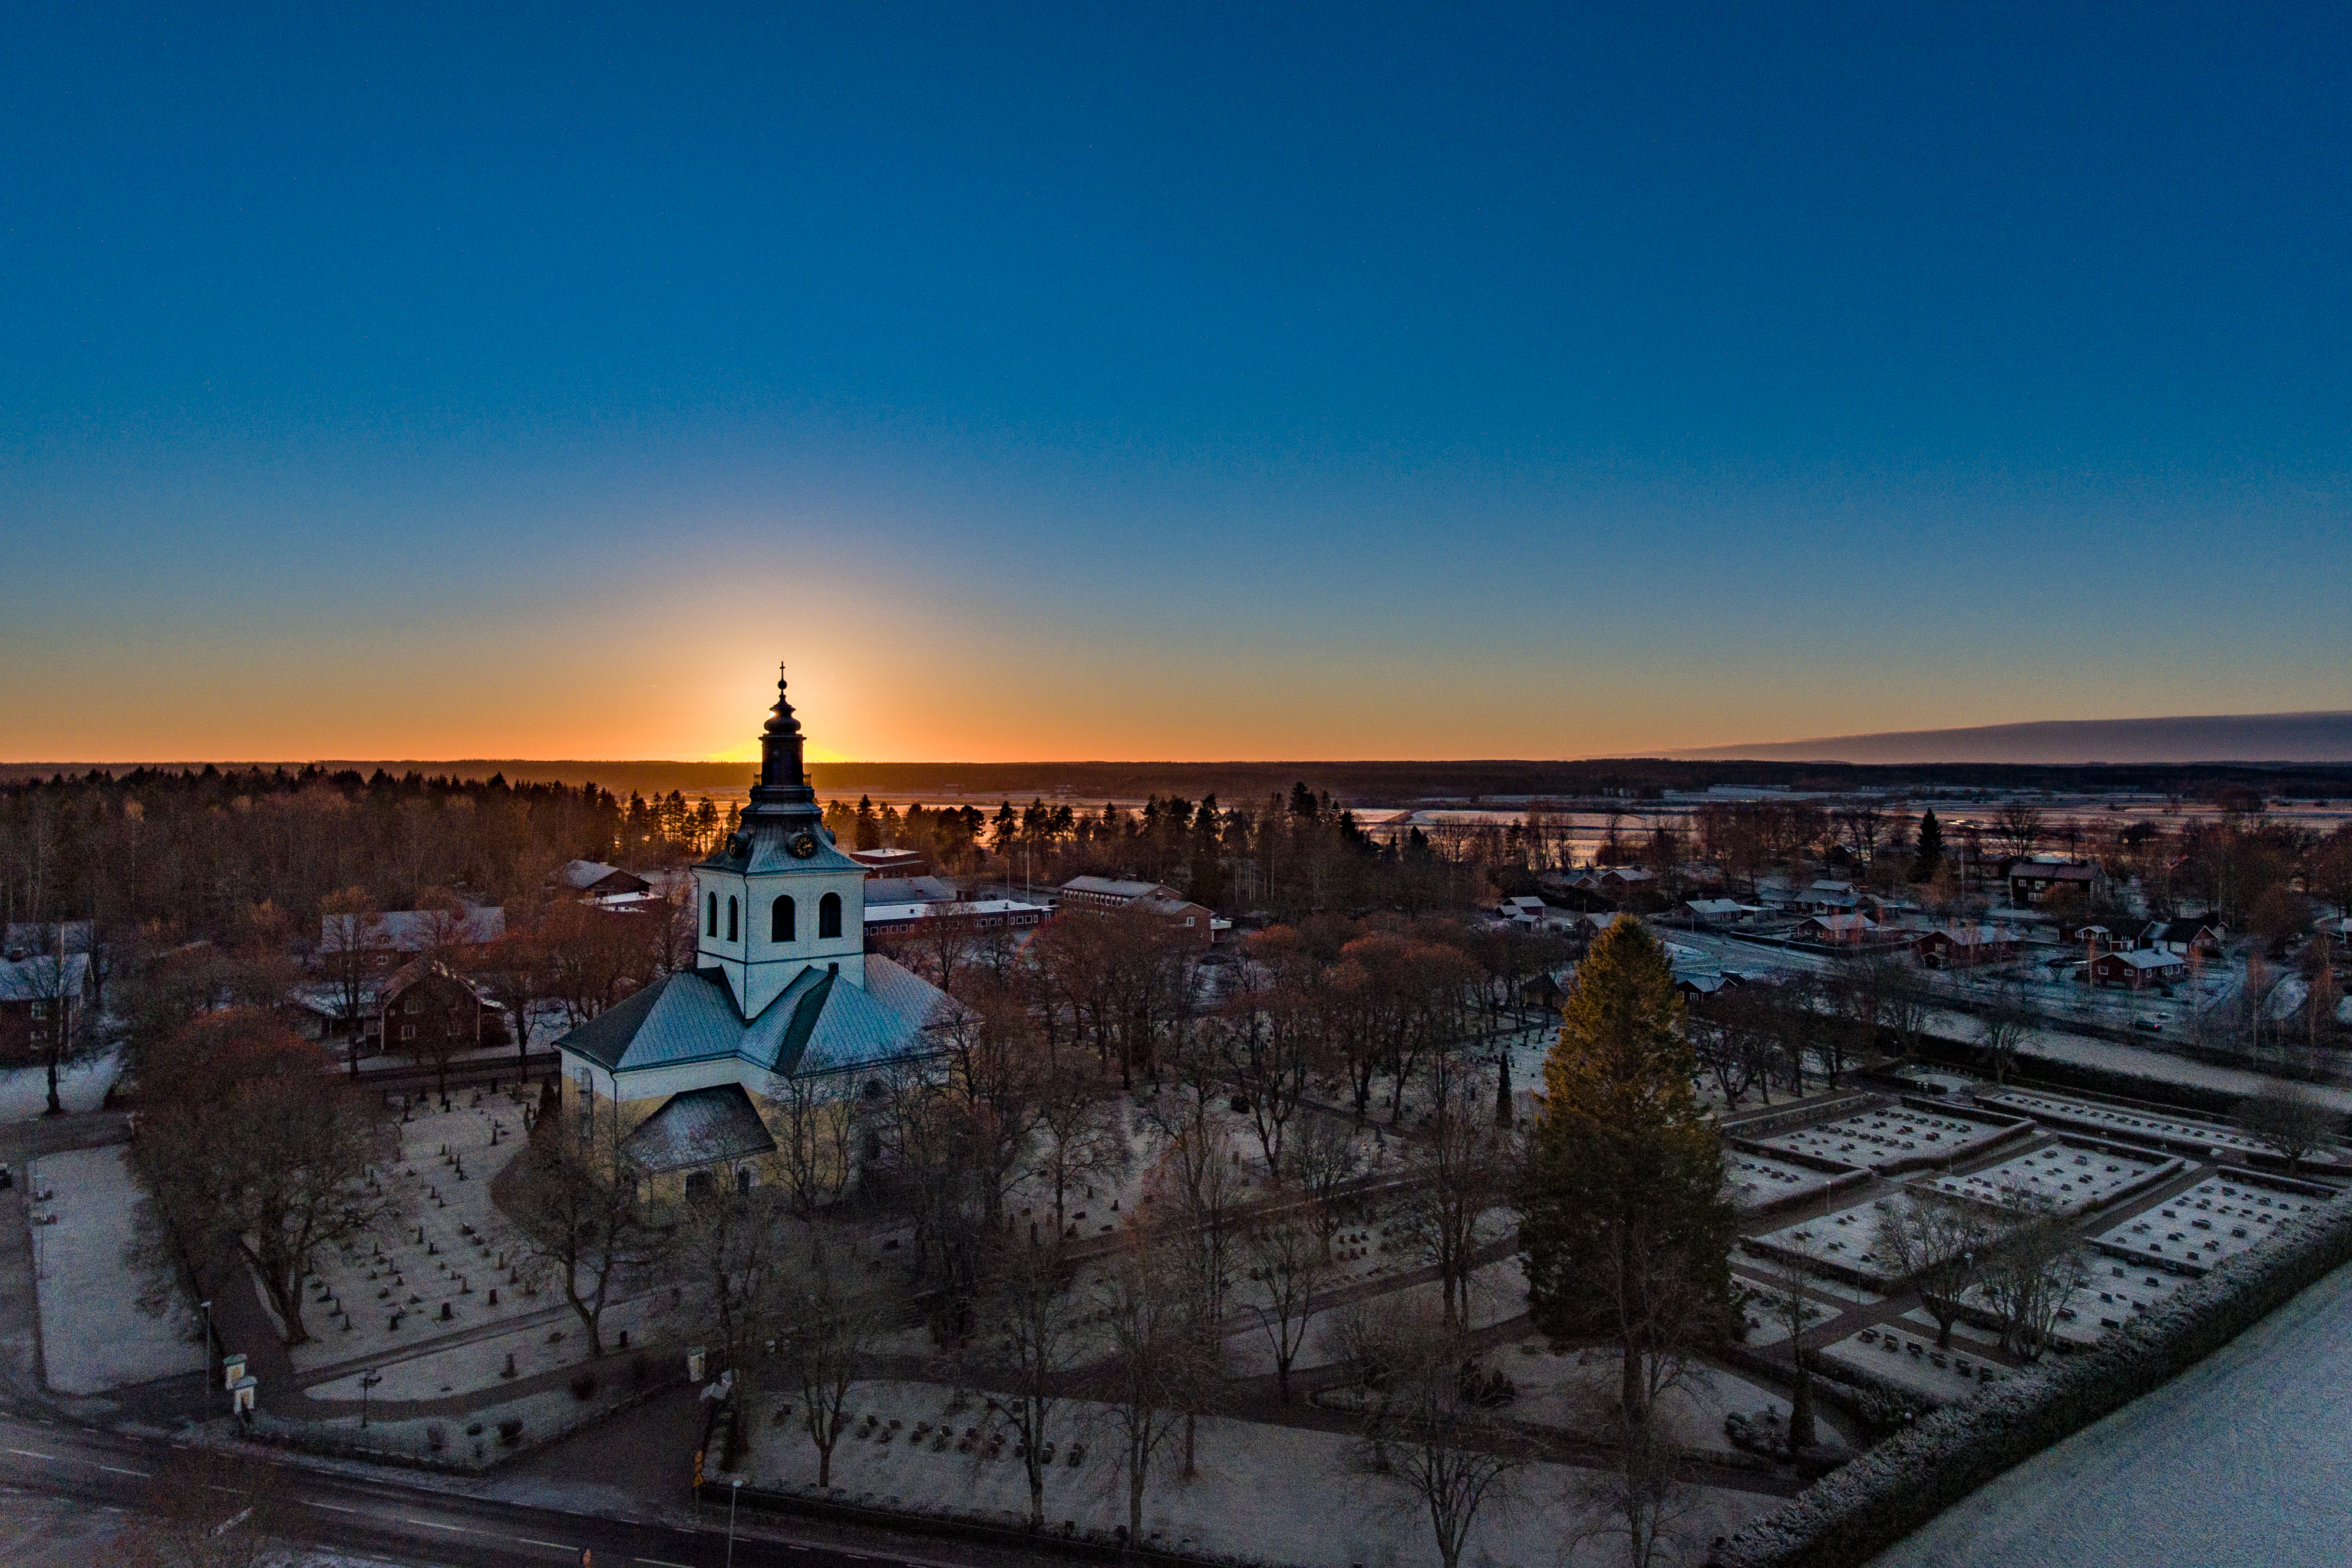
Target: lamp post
(368, 1380)
(733, 1489)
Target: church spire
(779, 742)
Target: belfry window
(828, 916)
(780, 920)
(711, 924)
(730, 918)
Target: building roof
(698, 1127)
(1973, 936)
(37, 979)
(1843, 922)
(1713, 905)
(883, 913)
(1107, 888)
(908, 890)
(412, 930)
(29, 936)
(818, 1024)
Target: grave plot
(1751, 1181)
(1766, 1327)
(450, 1265)
(2173, 1132)
(2117, 1292)
(2075, 1177)
(2218, 1219)
(1844, 1240)
(1910, 1360)
(1891, 1134)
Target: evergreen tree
(1624, 1225)
(869, 826)
(1931, 855)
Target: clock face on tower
(802, 845)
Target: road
(413, 1523)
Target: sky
(1179, 383)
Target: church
(689, 1069)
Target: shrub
(510, 1431)
(584, 1384)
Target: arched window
(710, 922)
(730, 918)
(780, 920)
(828, 916)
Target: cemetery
(1905, 1354)
(449, 1264)
(1755, 1181)
(2218, 1219)
(2181, 1134)
(2071, 1173)
(1904, 1136)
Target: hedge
(1854, 1515)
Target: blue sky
(1189, 382)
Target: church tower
(777, 897)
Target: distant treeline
(1362, 783)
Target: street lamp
(733, 1489)
(368, 1380)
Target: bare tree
(1465, 1171)
(1290, 1261)
(574, 1198)
(1796, 1270)
(1030, 1338)
(2290, 1119)
(253, 1147)
(2003, 1029)
(2035, 1271)
(1938, 1244)
(1421, 1427)
(1638, 1497)
(351, 930)
(2019, 824)
(829, 1348)
(1148, 1301)
(206, 1508)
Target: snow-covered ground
(25, 1091)
(390, 1270)
(1887, 1135)
(2073, 1177)
(1908, 1358)
(2240, 1460)
(1844, 1237)
(93, 1335)
(1751, 1181)
(2218, 1219)
(1277, 1494)
(2066, 1111)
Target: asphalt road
(385, 1519)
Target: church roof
(819, 1024)
(698, 1127)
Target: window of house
(780, 920)
(743, 1181)
(828, 916)
(698, 1183)
(710, 920)
(408, 1031)
(730, 918)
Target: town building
(885, 920)
(2137, 967)
(687, 1072)
(40, 996)
(393, 932)
(1963, 947)
(1105, 892)
(1841, 929)
(595, 880)
(2033, 878)
(891, 862)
